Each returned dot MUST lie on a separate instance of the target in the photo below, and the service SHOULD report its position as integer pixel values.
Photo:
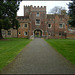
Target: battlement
(27, 6)
(38, 8)
(26, 10)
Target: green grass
(64, 46)
(10, 48)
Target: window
(49, 25)
(59, 34)
(19, 33)
(25, 25)
(37, 14)
(60, 26)
(9, 32)
(25, 33)
(19, 26)
(37, 22)
(49, 34)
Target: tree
(71, 13)
(8, 13)
(56, 10)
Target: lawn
(64, 46)
(10, 48)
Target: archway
(37, 33)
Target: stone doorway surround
(37, 33)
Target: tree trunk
(1, 35)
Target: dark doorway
(37, 33)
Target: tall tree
(8, 13)
(71, 13)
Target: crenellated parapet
(35, 8)
(22, 19)
(26, 10)
(38, 8)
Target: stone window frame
(27, 25)
(9, 32)
(19, 33)
(49, 34)
(25, 33)
(36, 23)
(38, 14)
(50, 25)
(61, 24)
(60, 34)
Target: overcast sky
(49, 5)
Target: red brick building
(36, 23)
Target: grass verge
(64, 46)
(9, 48)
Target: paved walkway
(39, 58)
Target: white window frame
(25, 33)
(36, 23)
(59, 25)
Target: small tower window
(37, 14)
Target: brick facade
(36, 23)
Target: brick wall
(55, 30)
(70, 35)
(22, 29)
(42, 17)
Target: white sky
(49, 5)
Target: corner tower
(26, 11)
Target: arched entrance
(37, 33)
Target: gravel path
(39, 58)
